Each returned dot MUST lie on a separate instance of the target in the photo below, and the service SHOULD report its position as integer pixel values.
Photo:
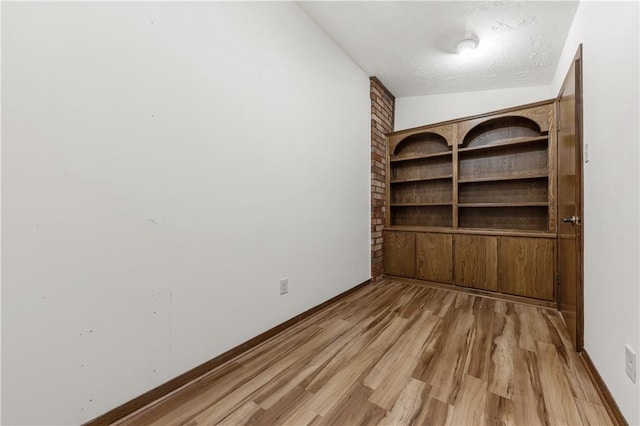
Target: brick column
(382, 111)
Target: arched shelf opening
(502, 130)
(421, 145)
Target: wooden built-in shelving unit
(470, 187)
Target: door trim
(577, 60)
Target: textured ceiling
(410, 46)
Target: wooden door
(476, 261)
(434, 257)
(400, 254)
(526, 267)
(570, 254)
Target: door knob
(573, 219)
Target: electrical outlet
(284, 286)
(586, 153)
(630, 362)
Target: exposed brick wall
(382, 112)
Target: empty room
(320, 213)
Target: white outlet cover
(586, 153)
(284, 286)
(630, 363)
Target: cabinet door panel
(400, 254)
(476, 261)
(526, 267)
(434, 257)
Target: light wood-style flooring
(399, 354)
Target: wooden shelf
(539, 175)
(445, 203)
(505, 144)
(527, 204)
(421, 179)
(421, 157)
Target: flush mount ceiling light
(466, 46)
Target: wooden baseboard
(476, 292)
(193, 374)
(601, 387)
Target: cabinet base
(477, 292)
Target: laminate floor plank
(396, 353)
(558, 398)
(482, 343)
(528, 398)
(579, 381)
(269, 394)
(355, 409)
(283, 408)
(592, 414)
(501, 369)
(387, 331)
(408, 405)
(399, 366)
(242, 415)
(444, 358)
(499, 411)
(471, 405)
(446, 376)
(434, 412)
(528, 329)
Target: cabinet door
(476, 261)
(434, 257)
(526, 267)
(400, 254)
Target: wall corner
(382, 116)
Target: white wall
(609, 33)
(163, 166)
(414, 111)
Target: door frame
(577, 61)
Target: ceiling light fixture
(466, 46)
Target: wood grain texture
(570, 199)
(422, 169)
(435, 191)
(476, 261)
(512, 218)
(526, 267)
(420, 144)
(396, 354)
(442, 125)
(495, 131)
(493, 170)
(552, 180)
(539, 114)
(509, 161)
(509, 191)
(496, 178)
(434, 256)
(399, 254)
(440, 216)
(446, 131)
(478, 292)
(492, 232)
